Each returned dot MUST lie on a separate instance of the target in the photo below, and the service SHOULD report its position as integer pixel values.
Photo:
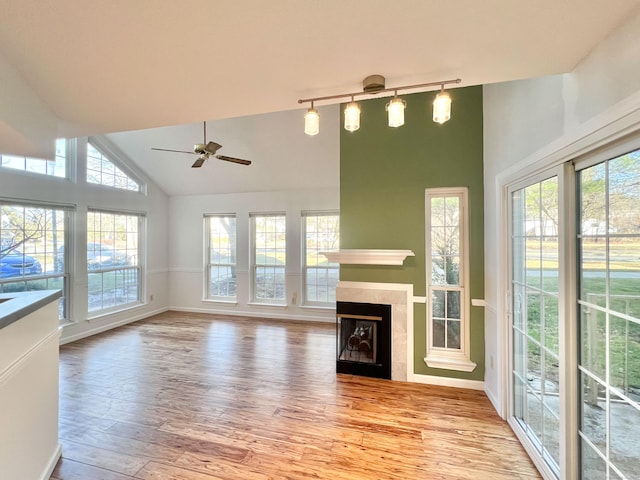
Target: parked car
(14, 263)
(103, 256)
(98, 256)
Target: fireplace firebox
(363, 339)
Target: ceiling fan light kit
(205, 150)
(372, 85)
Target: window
(320, 234)
(113, 260)
(32, 255)
(220, 233)
(102, 171)
(447, 279)
(269, 257)
(55, 168)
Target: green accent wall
(383, 176)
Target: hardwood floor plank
(186, 443)
(226, 470)
(236, 438)
(184, 396)
(73, 418)
(67, 469)
(88, 436)
(160, 471)
(102, 458)
(281, 428)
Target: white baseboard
(447, 381)
(52, 463)
(107, 326)
(263, 314)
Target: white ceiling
(283, 157)
(119, 65)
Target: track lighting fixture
(352, 116)
(395, 109)
(372, 85)
(442, 107)
(311, 121)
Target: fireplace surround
(400, 297)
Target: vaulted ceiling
(120, 65)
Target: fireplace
(363, 339)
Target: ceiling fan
(205, 150)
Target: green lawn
(624, 335)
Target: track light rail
(383, 90)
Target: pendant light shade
(352, 116)
(395, 109)
(312, 122)
(442, 107)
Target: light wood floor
(199, 397)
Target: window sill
(269, 305)
(318, 307)
(224, 302)
(104, 315)
(447, 363)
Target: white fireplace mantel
(364, 256)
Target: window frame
(255, 265)
(442, 357)
(304, 267)
(138, 267)
(208, 264)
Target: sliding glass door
(574, 280)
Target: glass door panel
(535, 326)
(609, 308)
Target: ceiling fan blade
(233, 159)
(198, 163)
(175, 151)
(212, 147)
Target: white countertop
(14, 306)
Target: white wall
(15, 185)
(186, 249)
(525, 122)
